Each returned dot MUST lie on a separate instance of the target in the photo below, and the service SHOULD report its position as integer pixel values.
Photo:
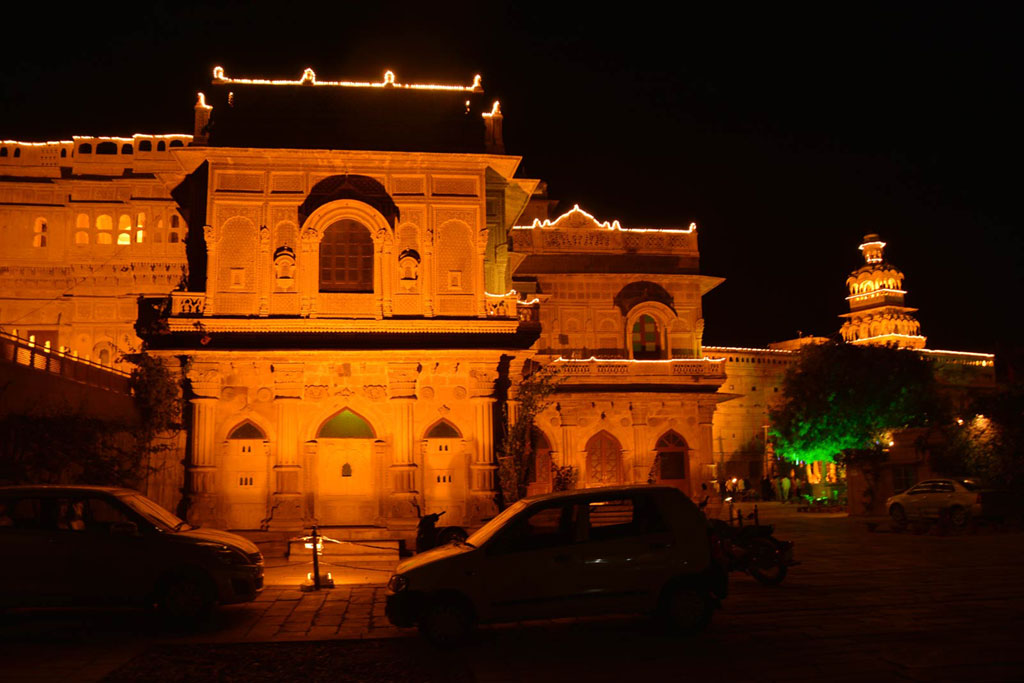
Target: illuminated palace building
(355, 281)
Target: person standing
(786, 484)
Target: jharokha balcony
(616, 374)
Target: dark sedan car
(77, 545)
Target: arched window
(161, 146)
(346, 425)
(126, 149)
(443, 430)
(3, 151)
(81, 237)
(604, 460)
(106, 148)
(63, 153)
(177, 143)
(247, 430)
(646, 339)
(346, 258)
(672, 451)
(145, 146)
(82, 221)
(85, 148)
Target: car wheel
(185, 600)
(958, 516)
(765, 566)
(898, 516)
(686, 609)
(446, 622)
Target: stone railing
(188, 304)
(594, 370)
(67, 364)
(501, 306)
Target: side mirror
(124, 529)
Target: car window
(923, 487)
(970, 485)
(23, 513)
(101, 514)
(943, 487)
(70, 514)
(547, 527)
(618, 518)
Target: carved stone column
(264, 271)
(286, 496)
(210, 236)
(308, 267)
(202, 469)
(643, 458)
(482, 481)
(404, 476)
(701, 460)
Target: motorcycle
(751, 548)
(429, 535)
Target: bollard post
(316, 560)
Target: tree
(845, 399)
(516, 462)
(987, 442)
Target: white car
(631, 549)
(930, 499)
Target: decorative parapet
(579, 232)
(618, 371)
(188, 304)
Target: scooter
(429, 535)
(751, 548)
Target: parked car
(90, 545)
(932, 498)
(634, 549)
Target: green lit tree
(843, 400)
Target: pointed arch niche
(246, 430)
(443, 429)
(604, 460)
(672, 456)
(346, 424)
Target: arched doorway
(445, 486)
(346, 478)
(245, 480)
(671, 460)
(604, 460)
(540, 476)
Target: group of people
(785, 489)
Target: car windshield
(484, 533)
(159, 517)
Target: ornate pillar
(308, 267)
(264, 271)
(210, 235)
(642, 460)
(403, 472)
(482, 482)
(427, 268)
(704, 458)
(286, 496)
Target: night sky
(785, 134)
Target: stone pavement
(862, 606)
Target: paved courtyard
(863, 606)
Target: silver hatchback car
(631, 549)
(930, 499)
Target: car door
(113, 559)
(529, 569)
(940, 498)
(626, 553)
(33, 559)
(917, 499)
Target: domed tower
(877, 314)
